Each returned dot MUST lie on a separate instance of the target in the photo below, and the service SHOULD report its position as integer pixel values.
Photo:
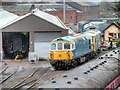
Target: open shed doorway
(15, 45)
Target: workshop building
(42, 28)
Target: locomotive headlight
(65, 52)
(54, 52)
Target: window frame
(71, 47)
(64, 46)
(55, 47)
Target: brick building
(75, 11)
(88, 10)
(70, 15)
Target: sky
(95, 1)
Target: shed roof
(77, 4)
(111, 25)
(6, 17)
(45, 16)
(45, 7)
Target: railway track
(8, 76)
(4, 68)
(17, 85)
(36, 80)
(31, 80)
(39, 77)
(3, 73)
(57, 74)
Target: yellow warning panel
(61, 55)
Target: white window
(62, 46)
(115, 35)
(53, 46)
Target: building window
(18, 14)
(118, 35)
(24, 13)
(117, 82)
(115, 35)
(112, 85)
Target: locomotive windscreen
(18, 44)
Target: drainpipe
(1, 50)
(64, 11)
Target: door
(42, 40)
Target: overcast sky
(96, 1)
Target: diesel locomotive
(15, 44)
(70, 51)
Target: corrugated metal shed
(6, 17)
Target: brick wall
(70, 15)
(20, 13)
(91, 12)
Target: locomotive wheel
(67, 67)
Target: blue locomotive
(69, 51)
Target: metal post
(64, 11)
(1, 50)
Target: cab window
(53, 47)
(59, 46)
(73, 46)
(66, 46)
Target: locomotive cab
(61, 50)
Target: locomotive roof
(65, 38)
(92, 32)
(83, 36)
